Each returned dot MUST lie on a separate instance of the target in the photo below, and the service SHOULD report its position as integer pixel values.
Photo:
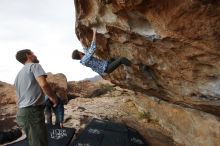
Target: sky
(47, 27)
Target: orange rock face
(58, 83)
(7, 94)
(173, 45)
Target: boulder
(58, 83)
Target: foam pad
(56, 136)
(106, 133)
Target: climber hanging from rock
(100, 66)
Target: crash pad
(106, 133)
(56, 136)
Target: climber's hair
(76, 55)
(21, 55)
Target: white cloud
(47, 28)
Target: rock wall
(7, 94)
(187, 126)
(58, 83)
(173, 45)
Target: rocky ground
(116, 106)
(102, 101)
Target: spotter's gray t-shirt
(28, 91)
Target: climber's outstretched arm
(94, 35)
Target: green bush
(106, 87)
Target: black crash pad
(56, 136)
(106, 133)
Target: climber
(97, 65)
